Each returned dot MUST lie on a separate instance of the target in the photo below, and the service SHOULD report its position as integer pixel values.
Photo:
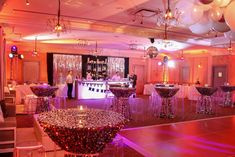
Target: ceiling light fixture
(230, 48)
(96, 52)
(35, 52)
(58, 25)
(168, 17)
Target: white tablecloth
(148, 89)
(62, 91)
(24, 90)
(185, 91)
(21, 92)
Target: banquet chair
(137, 108)
(115, 148)
(27, 150)
(155, 103)
(30, 104)
(206, 105)
(69, 154)
(108, 101)
(55, 102)
(219, 97)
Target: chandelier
(35, 52)
(58, 25)
(168, 17)
(97, 51)
(230, 48)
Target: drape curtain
(2, 64)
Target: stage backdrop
(58, 66)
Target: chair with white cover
(30, 149)
(155, 103)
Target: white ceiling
(109, 22)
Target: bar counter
(96, 89)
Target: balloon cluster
(202, 16)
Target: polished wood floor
(213, 137)
(187, 135)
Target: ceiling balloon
(230, 35)
(221, 3)
(229, 15)
(205, 1)
(215, 13)
(218, 2)
(202, 27)
(220, 27)
(196, 13)
(190, 13)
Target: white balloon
(225, 3)
(218, 2)
(190, 14)
(202, 27)
(229, 15)
(215, 13)
(221, 3)
(196, 13)
(230, 35)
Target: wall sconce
(199, 66)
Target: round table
(43, 92)
(83, 132)
(166, 93)
(121, 103)
(227, 89)
(205, 104)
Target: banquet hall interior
(117, 78)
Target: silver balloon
(230, 35)
(202, 27)
(220, 27)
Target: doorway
(219, 76)
(139, 70)
(31, 71)
(184, 75)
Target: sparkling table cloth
(43, 92)
(227, 89)
(122, 91)
(205, 104)
(121, 101)
(167, 93)
(81, 132)
(206, 91)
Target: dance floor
(188, 134)
(210, 137)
